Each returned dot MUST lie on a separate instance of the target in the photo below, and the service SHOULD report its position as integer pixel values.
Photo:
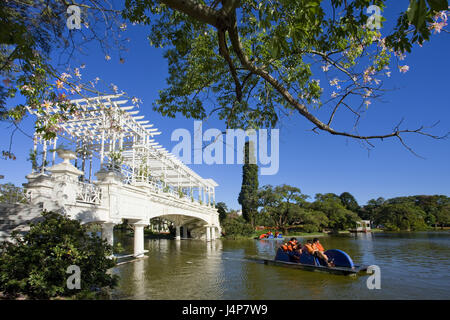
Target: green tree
(443, 216)
(339, 218)
(35, 264)
(258, 58)
(368, 211)
(248, 197)
(235, 227)
(9, 193)
(349, 202)
(436, 208)
(282, 204)
(222, 209)
(401, 216)
(313, 220)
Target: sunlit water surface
(413, 266)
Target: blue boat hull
(343, 263)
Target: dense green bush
(35, 265)
(401, 216)
(235, 227)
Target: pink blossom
(77, 72)
(367, 74)
(64, 76)
(47, 104)
(59, 84)
(404, 68)
(438, 26)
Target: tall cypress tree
(248, 197)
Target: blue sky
(314, 163)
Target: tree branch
(223, 50)
(195, 10)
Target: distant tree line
(408, 213)
(285, 207)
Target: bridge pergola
(111, 130)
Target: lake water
(413, 266)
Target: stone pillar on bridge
(185, 234)
(139, 239)
(60, 188)
(177, 232)
(213, 233)
(39, 188)
(208, 233)
(108, 232)
(110, 183)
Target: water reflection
(139, 278)
(413, 266)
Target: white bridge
(137, 179)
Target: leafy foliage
(235, 227)
(36, 50)
(401, 216)
(349, 201)
(222, 209)
(248, 197)
(9, 193)
(409, 213)
(252, 62)
(36, 264)
(282, 204)
(339, 218)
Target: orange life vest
(319, 247)
(309, 247)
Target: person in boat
(318, 245)
(321, 251)
(295, 256)
(276, 234)
(293, 242)
(289, 246)
(269, 234)
(311, 248)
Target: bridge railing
(157, 187)
(88, 193)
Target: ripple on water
(413, 266)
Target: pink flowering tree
(37, 48)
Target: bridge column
(177, 233)
(185, 235)
(139, 240)
(208, 234)
(108, 232)
(213, 233)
